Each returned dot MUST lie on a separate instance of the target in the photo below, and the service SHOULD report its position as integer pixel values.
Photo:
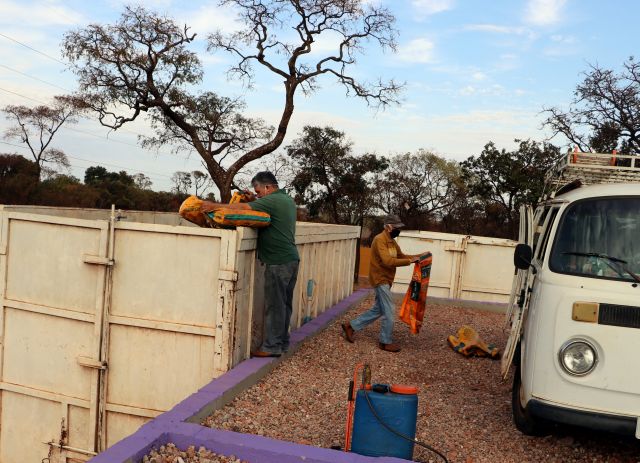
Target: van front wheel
(525, 423)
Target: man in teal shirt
(278, 252)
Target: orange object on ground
(413, 305)
(469, 344)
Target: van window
(595, 235)
(542, 248)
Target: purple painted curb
(171, 426)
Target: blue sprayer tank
(398, 411)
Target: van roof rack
(590, 169)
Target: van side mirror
(522, 256)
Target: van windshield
(593, 234)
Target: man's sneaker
(389, 347)
(348, 331)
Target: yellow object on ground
(191, 210)
(469, 344)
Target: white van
(575, 306)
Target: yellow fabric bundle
(469, 344)
(240, 218)
(191, 210)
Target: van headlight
(578, 357)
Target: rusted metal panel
(50, 316)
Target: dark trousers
(279, 283)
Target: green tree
(418, 187)
(506, 179)
(329, 180)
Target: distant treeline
(19, 185)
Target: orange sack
(191, 210)
(413, 305)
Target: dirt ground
(464, 406)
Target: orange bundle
(226, 218)
(413, 305)
(469, 344)
(191, 210)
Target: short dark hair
(264, 178)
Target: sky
(474, 71)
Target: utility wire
(151, 174)
(94, 134)
(33, 49)
(34, 78)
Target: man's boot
(389, 347)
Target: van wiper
(607, 259)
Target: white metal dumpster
(476, 268)
(106, 322)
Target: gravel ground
(464, 406)
(170, 454)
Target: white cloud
(478, 75)
(38, 14)
(566, 39)
(429, 7)
(492, 90)
(544, 12)
(416, 51)
(496, 28)
(209, 18)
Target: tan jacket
(385, 257)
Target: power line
(33, 49)
(151, 174)
(53, 85)
(20, 95)
(94, 134)
(33, 77)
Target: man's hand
(415, 258)
(249, 195)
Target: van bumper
(618, 424)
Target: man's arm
(387, 259)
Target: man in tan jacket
(386, 255)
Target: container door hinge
(228, 275)
(97, 260)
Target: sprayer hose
(398, 433)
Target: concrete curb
(180, 425)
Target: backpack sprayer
(381, 418)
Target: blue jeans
(383, 307)
(279, 283)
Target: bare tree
(604, 113)
(354, 22)
(35, 127)
(181, 182)
(142, 181)
(201, 182)
(141, 64)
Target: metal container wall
(475, 268)
(105, 324)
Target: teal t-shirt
(277, 242)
